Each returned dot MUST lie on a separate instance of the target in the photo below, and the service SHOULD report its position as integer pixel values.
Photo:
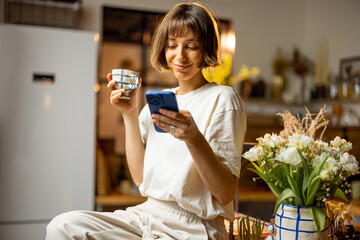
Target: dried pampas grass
(306, 126)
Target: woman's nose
(181, 55)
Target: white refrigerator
(47, 126)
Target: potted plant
(303, 172)
(250, 229)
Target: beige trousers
(151, 220)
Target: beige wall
(334, 22)
(258, 32)
(261, 26)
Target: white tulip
(346, 147)
(289, 155)
(349, 163)
(332, 165)
(318, 159)
(325, 174)
(341, 144)
(299, 141)
(254, 154)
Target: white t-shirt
(169, 171)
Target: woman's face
(183, 56)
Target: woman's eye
(171, 46)
(192, 47)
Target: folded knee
(59, 225)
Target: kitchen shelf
(119, 200)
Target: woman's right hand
(123, 105)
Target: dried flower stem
(306, 126)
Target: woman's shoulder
(224, 92)
(226, 97)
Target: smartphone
(157, 99)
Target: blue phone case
(157, 99)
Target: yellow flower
(220, 73)
(245, 73)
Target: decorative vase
(277, 87)
(296, 223)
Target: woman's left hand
(179, 124)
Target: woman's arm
(216, 176)
(134, 146)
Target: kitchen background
(270, 50)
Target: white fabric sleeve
(225, 135)
(145, 122)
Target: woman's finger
(114, 96)
(117, 93)
(166, 119)
(111, 82)
(109, 77)
(182, 115)
(111, 85)
(173, 129)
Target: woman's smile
(181, 67)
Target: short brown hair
(176, 21)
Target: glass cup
(125, 79)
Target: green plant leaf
(274, 189)
(305, 171)
(248, 227)
(318, 169)
(256, 166)
(341, 195)
(287, 193)
(314, 183)
(294, 187)
(318, 215)
(312, 190)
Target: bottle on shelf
(356, 87)
(345, 88)
(333, 87)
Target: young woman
(190, 173)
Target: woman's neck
(187, 86)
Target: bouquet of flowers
(302, 170)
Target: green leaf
(296, 190)
(314, 183)
(312, 190)
(305, 170)
(318, 215)
(274, 189)
(341, 195)
(287, 193)
(256, 166)
(318, 169)
(257, 172)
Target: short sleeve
(145, 123)
(225, 135)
